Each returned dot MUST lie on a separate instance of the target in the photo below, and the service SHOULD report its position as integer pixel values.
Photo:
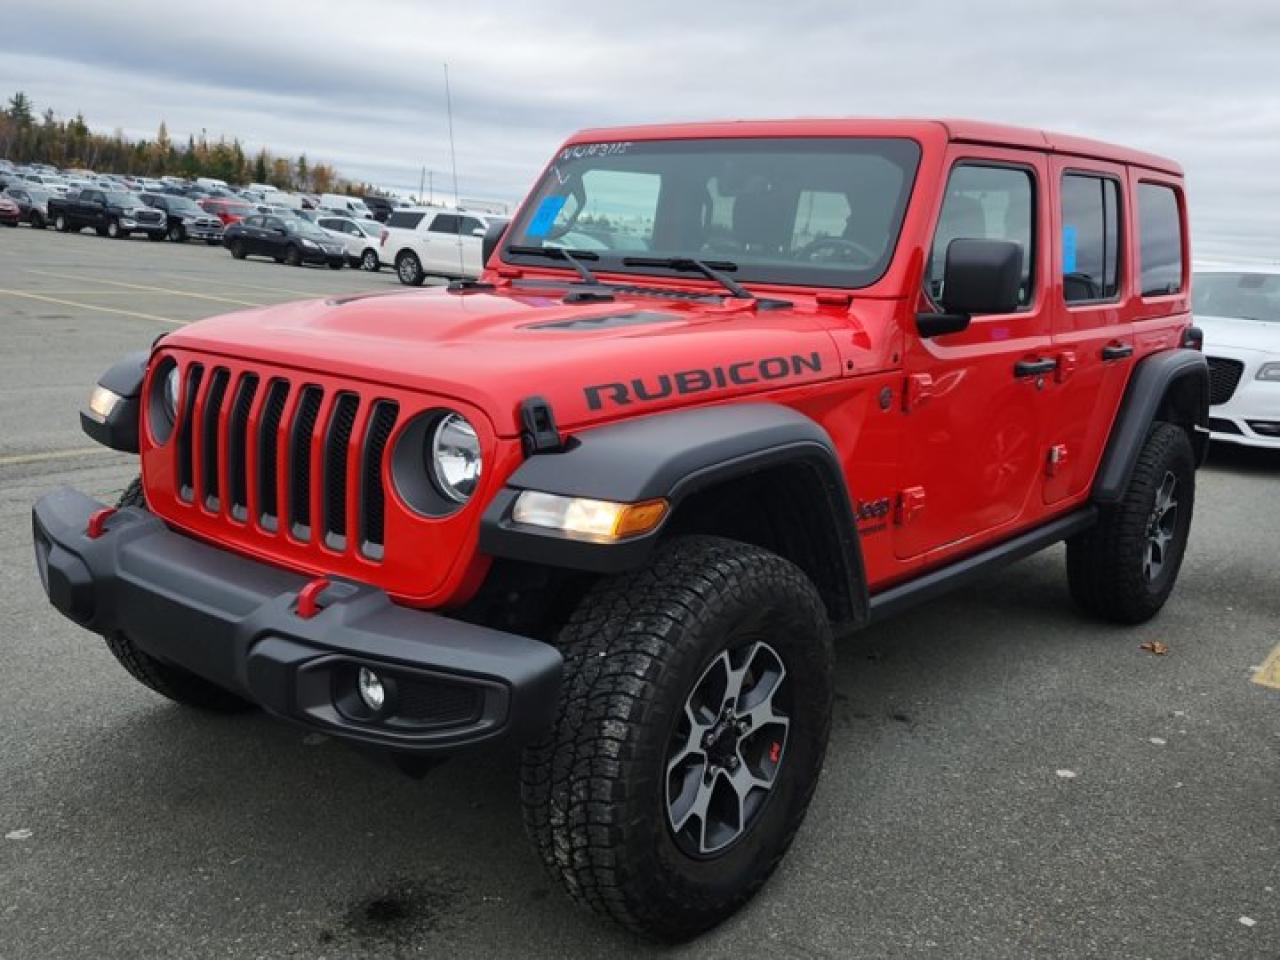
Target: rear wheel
(369, 261)
(293, 256)
(692, 721)
(60, 224)
(165, 679)
(335, 264)
(177, 234)
(113, 229)
(1124, 567)
(409, 269)
(237, 249)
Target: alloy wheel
(728, 749)
(1162, 525)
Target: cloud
(361, 86)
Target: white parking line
(89, 306)
(50, 455)
(142, 286)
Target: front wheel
(369, 261)
(1124, 567)
(293, 257)
(237, 249)
(409, 269)
(165, 679)
(335, 265)
(156, 237)
(113, 229)
(177, 234)
(690, 731)
(37, 222)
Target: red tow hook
(98, 522)
(309, 597)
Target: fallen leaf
(1154, 646)
(1066, 774)
(23, 834)
(1248, 921)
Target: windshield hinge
(538, 431)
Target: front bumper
(1251, 416)
(131, 226)
(237, 623)
(196, 231)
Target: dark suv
(185, 219)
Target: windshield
(304, 228)
(370, 228)
(183, 205)
(1254, 296)
(808, 211)
(120, 199)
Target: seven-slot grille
(287, 454)
(1224, 377)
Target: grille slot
(237, 445)
(434, 703)
(372, 496)
(300, 438)
(337, 445)
(190, 388)
(1224, 377)
(210, 476)
(268, 452)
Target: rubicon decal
(700, 380)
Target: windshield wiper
(710, 270)
(571, 257)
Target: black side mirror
(980, 276)
(492, 237)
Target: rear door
(974, 399)
(440, 244)
(1091, 294)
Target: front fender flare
(673, 456)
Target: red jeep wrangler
(723, 392)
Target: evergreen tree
(20, 111)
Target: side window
(1159, 239)
(469, 225)
(405, 219)
(444, 223)
(986, 203)
(328, 224)
(1090, 238)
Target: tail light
(382, 238)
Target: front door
(973, 429)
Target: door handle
(1117, 351)
(1034, 368)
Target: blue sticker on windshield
(545, 216)
(1068, 249)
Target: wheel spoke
(693, 801)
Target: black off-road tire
(167, 680)
(176, 233)
(594, 789)
(1106, 564)
(409, 269)
(38, 221)
(113, 230)
(335, 266)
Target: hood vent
(608, 321)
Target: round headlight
(455, 457)
(172, 388)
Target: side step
(894, 600)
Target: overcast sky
(360, 85)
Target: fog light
(372, 692)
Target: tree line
(70, 144)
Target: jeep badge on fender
(613, 500)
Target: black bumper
(235, 621)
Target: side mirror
(980, 277)
(279, 231)
(492, 237)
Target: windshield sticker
(545, 216)
(1068, 249)
(580, 150)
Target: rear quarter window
(405, 219)
(1160, 242)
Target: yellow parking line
(89, 306)
(141, 286)
(49, 455)
(1268, 674)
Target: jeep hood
(591, 361)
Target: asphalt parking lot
(1005, 777)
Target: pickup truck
(114, 214)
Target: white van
(352, 206)
(210, 182)
(264, 188)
